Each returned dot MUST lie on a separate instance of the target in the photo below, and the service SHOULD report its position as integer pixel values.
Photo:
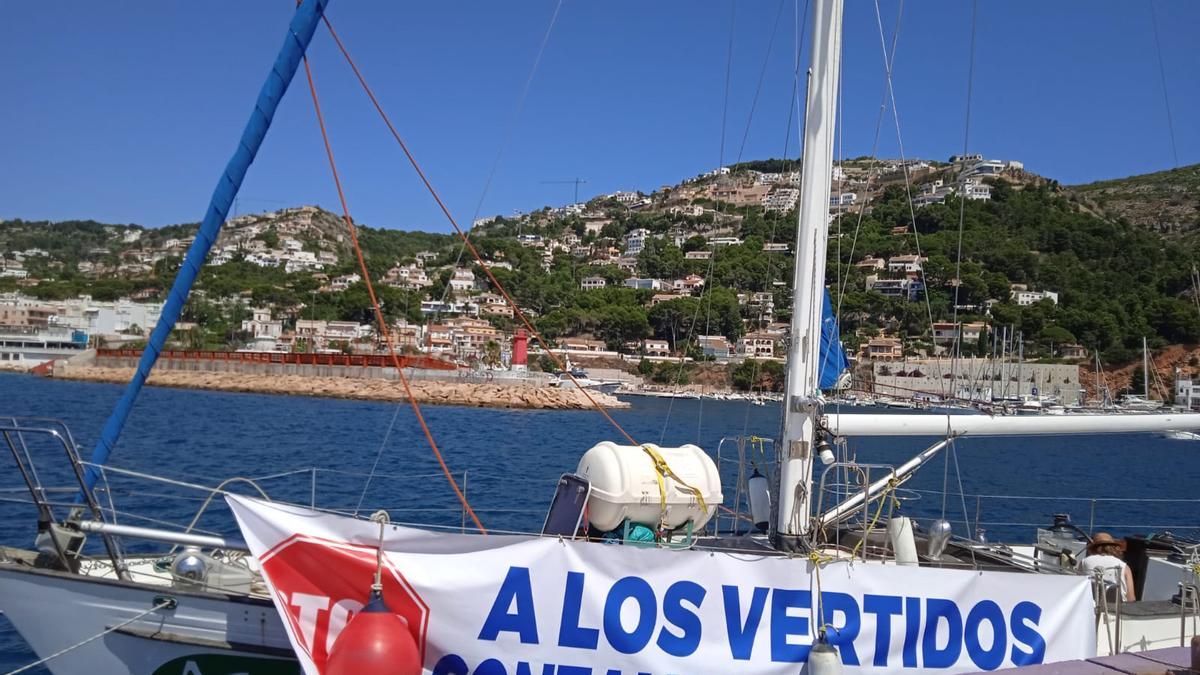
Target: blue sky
(127, 111)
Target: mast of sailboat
(300, 31)
(802, 397)
(1004, 369)
(1145, 369)
(1020, 364)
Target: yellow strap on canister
(661, 471)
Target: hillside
(1167, 202)
(691, 268)
(1128, 378)
(106, 262)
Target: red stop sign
(321, 584)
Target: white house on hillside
(905, 263)
(1025, 298)
(635, 241)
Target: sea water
(511, 459)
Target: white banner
(509, 605)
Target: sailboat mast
(1020, 363)
(1004, 369)
(802, 396)
(1145, 369)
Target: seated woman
(1104, 554)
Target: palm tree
(491, 353)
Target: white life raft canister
(650, 484)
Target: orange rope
(383, 329)
(465, 239)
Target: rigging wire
(1196, 286)
(466, 240)
(505, 142)
(387, 435)
(799, 20)
(962, 498)
(840, 136)
(379, 318)
(962, 198)
(888, 59)
(762, 73)
(712, 258)
(912, 214)
(707, 293)
(728, 75)
(1162, 74)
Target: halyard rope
(379, 318)
(467, 242)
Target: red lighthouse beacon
(520, 352)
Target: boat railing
(418, 516)
(127, 495)
(26, 438)
(741, 456)
(972, 515)
(170, 507)
(1098, 510)
(842, 480)
(310, 487)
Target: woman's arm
(1129, 590)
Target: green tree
(618, 324)
(1054, 335)
(491, 353)
(755, 375)
(672, 373)
(673, 320)
(612, 230)
(721, 313)
(660, 259)
(269, 237)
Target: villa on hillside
(883, 349)
(656, 348)
(759, 344)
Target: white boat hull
(205, 633)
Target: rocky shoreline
(474, 394)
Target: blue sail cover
(834, 361)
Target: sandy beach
(475, 394)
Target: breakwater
(425, 391)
